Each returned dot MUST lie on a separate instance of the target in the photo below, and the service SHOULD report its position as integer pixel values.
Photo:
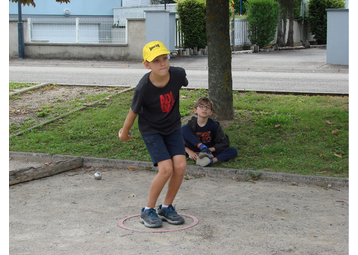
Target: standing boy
(156, 103)
(205, 140)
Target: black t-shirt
(158, 108)
(206, 134)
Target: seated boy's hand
(124, 136)
(193, 155)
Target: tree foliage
(317, 16)
(262, 19)
(192, 17)
(32, 2)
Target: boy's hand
(124, 136)
(193, 155)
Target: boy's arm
(128, 123)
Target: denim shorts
(163, 147)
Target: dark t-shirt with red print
(158, 108)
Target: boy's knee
(180, 167)
(236, 152)
(165, 170)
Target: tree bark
(219, 58)
(290, 41)
(280, 41)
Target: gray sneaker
(170, 215)
(206, 153)
(203, 161)
(150, 218)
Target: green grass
(277, 133)
(16, 86)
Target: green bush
(262, 19)
(192, 18)
(317, 16)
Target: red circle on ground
(121, 224)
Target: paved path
(72, 213)
(300, 71)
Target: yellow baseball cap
(154, 49)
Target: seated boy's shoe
(150, 218)
(170, 215)
(203, 161)
(206, 153)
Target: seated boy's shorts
(163, 147)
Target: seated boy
(205, 140)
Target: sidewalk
(302, 60)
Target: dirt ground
(45, 102)
(72, 213)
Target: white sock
(165, 206)
(147, 208)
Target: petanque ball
(98, 176)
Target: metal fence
(76, 30)
(104, 30)
(241, 33)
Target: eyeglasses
(204, 107)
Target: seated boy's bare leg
(165, 170)
(179, 167)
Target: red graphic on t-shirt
(203, 136)
(167, 102)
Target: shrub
(192, 17)
(317, 16)
(262, 19)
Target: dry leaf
(131, 168)
(323, 156)
(48, 163)
(335, 131)
(277, 126)
(324, 130)
(328, 122)
(338, 155)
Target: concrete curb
(64, 163)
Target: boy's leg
(190, 139)
(179, 167)
(169, 213)
(226, 154)
(165, 170)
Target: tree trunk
(219, 58)
(280, 41)
(284, 18)
(290, 41)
